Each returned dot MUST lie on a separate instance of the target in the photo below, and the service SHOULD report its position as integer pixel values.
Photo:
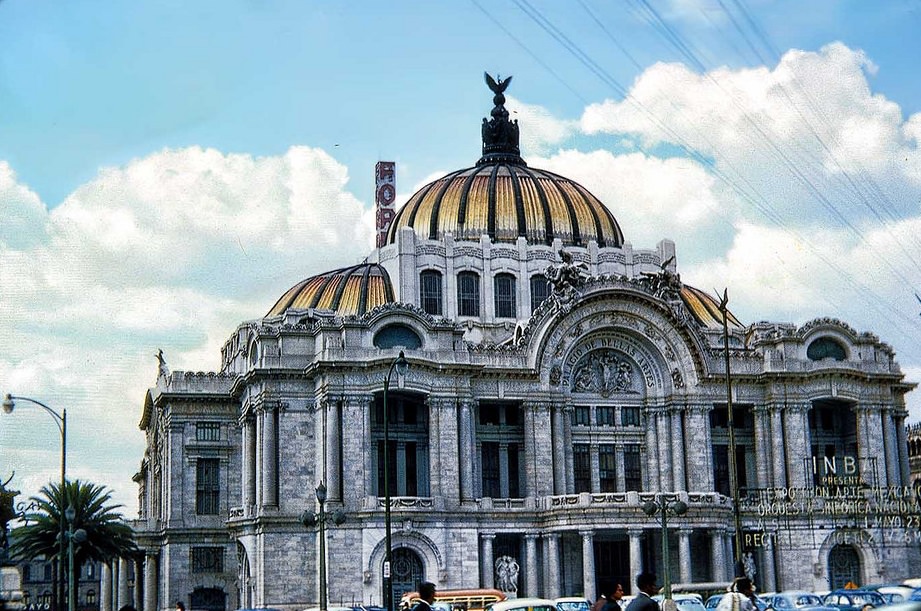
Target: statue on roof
(564, 279)
(162, 368)
(664, 284)
(500, 136)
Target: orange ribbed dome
(505, 200)
(347, 291)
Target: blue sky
(168, 169)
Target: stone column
(539, 449)
(767, 579)
(559, 452)
(359, 453)
(487, 574)
(684, 555)
(434, 405)
(891, 452)
(552, 566)
(447, 436)
(260, 476)
(796, 433)
(588, 564)
(503, 470)
(777, 436)
(151, 582)
(467, 452)
(249, 465)
(718, 554)
(762, 446)
(333, 450)
(700, 449)
(595, 462)
(567, 443)
(666, 481)
(532, 573)
(864, 436)
(621, 484)
(105, 587)
(678, 450)
(123, 598)
(636, 559)
(269, 456)
(651, 476)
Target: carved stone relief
(603, 372)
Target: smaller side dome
(706, 309)
(349, 291)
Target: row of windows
(607, 468)
(606, 415)
(505, 303)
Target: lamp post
(402, 366)
(60, 419)
(663, 505)
(79, 536)
(311, 519)
(739, 569)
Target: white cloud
(171, 251)
(540, 131)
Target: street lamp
(79, 536)
(664, 505)
(310, 519)
(402, 366)
(60, 419)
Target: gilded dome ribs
(519, 203)
(573, 219)
(545, 206)
(465, 193)
(436, 205)
(491, 199)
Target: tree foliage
(108, 536)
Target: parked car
(524, 604)
(684, 602)
(760, 603)
(853, 600)
(796, 601)
(572, 603)
(892, 592)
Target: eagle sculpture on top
(497, 87)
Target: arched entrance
(843, 566)
(408, 573)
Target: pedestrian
(614, 601)
(602, 600)
(180, 606)
(739, 597)
(127, 608)
(426, 596)
(646, 584)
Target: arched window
(824, 348)
(505, 296)
(468, 294)
(430, 291)
(91, 597)
(540, 290)
(392, 336)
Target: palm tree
(107, 534)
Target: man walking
(426, 596)
(646, 584)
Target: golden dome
(505, 200)
(706, 309)
(347, 291)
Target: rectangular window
(207, 431)
(540, 290)
(721, 469)
(468, 294)
(392, 458)
(490, 453)
(430, 292)
(505, 296)
(514, 489)
(207, 486)
(582, 467)
(607, 468)
(633, 471)
(604, 416)
(581, 416)
(412, 483)
(630, 416)
(207, 559)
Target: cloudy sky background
(167, 171)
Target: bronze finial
(500, 136)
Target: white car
(684, 602)
(524, 604)
(572, 603)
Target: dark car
(853, 600)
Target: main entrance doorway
(843, 566)
(407, 571)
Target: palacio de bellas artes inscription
(558, 381)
